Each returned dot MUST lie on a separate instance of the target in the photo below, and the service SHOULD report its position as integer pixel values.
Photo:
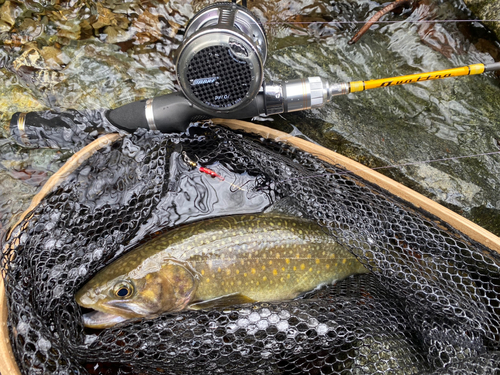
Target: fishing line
(437, 160)
(396, 165)
(375, 22)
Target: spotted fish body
(219, 261)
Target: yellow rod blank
(356, 86)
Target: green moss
(486, 10)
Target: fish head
(137, 294)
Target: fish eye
(123, 289)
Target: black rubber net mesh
(430, 303)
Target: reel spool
(220, 63)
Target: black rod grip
(172, 113)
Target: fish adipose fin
(224, 301)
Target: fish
(217, 262)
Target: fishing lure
(193, 165)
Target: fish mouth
(129, 310)
(117, 312)
(101, 320)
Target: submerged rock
(486, 10)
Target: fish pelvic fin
(224, 301)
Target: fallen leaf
(148, 26)
(107, 18)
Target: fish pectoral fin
(224, 301)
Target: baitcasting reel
(220, 64)
(220, 68)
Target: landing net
(430, 303)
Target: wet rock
(486, 10)
(27, 31)
(31, 58)
(9, 11)
(106, 17)
(14, 98)
(148, 28)
(23, 171)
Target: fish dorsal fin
(287, 207)
(224, 301)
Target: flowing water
(83, 54)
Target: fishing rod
(356, 86)
(174, 112)
(220, 70)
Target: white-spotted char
(217, 262)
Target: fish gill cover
(430, 303)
